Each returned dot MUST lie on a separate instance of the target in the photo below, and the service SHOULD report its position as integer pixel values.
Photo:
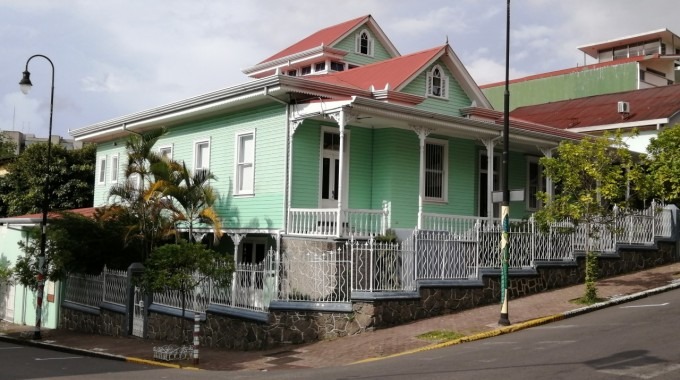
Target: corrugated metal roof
(646, 104)
(87, 212)
(326, 36)
(393, 71)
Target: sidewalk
(374, 344)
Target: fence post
(653, 220)
(372, 263)
(532, 229)
(197, 331)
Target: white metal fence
(451, 248)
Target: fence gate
(138, 313)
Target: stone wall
(285, 327)
(106, 322)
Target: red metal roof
(326, 36)
(87, 212)
(647, 104)
(571, 70)
(395, 71)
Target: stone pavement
(375, 344)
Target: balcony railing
(323, 222)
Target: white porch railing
(323, 222)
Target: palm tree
(141, 194)
(193, 198)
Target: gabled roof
(37, 218)
(331, 35)
(647, 107)
(397, 73)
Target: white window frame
(206, 161)
(444, 171)
(115, 167)
(443, 83)
(531, 160)
(371, 43)
(101, 174)
(167, 147)
(239, 166)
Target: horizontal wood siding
(108, 150)
(348, 44)
(306, 161)
(457, 97)
(360, 168)
(462, 176)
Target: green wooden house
(340, 135)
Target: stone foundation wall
(302, 326)
(105, 323)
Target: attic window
(337, 66)
(306, 70)
(364, 43)
(437, 83)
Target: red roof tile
(87, 212)
(647, 104)
(326, 36)
(395, 71)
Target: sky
(116, 57)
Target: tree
(591, 177)
(664, 164)
(7, 147)
(184, 266)
(71, 180)
(193, 198)
(140, 196)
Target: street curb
(531, 323)
(90, 353)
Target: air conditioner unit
(624, 107)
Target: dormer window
(364, 43)
(437, 83)
(306, 70)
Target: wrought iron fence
(252, 286)
(84, 289)
(115, 286)
(195, 299)
(315, 276)
(382, 267)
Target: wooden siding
(604, 80)
(348, 44)
(264, 209)
(305, 167)
(361, 169)
(457, 98)
(108, 150)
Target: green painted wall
(361, 168)
(457, 97)
(265, 208)
(604, 80)
(25, 300)
(348, 44)
(108, 150)
(305, 166)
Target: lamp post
(25, 85)
(505, 206)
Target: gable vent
(624, 107)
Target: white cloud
(19, 112)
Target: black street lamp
(26, 85)
(505, 206)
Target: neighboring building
(18, 303)
(634, 62)
(339, 135)
(647, 111)
(23, 140)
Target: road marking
(62, 358)
(653, 305)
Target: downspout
(288, 164)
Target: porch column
(422, 133)
(548, 152)
(342, 118)
(489, 144)
(292, 127)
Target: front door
(330, 170)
